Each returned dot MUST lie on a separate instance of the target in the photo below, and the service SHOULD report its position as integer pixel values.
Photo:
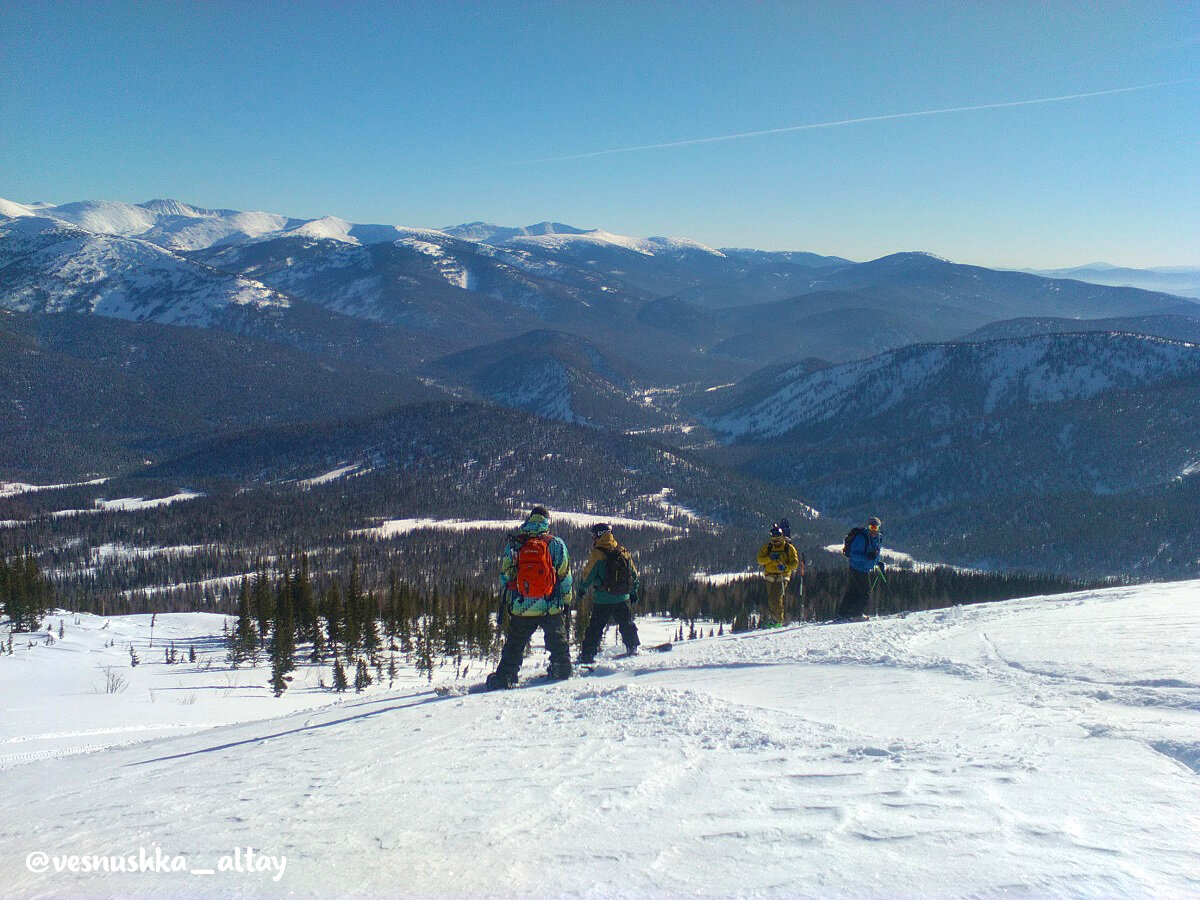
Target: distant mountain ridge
(1171, 327)
(1181, 280)
(556, 376)
(978, 378)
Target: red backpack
(536, 577)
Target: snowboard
(655, 648)
(589, 668)
(458, 690)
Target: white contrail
(857, 121)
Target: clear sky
(436, 113)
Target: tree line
(26, 595)
(287, 613)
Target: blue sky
(435, 113)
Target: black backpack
(618, 572)
(851, 535)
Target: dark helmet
(600, 529)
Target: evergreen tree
(362, 678)
(243, 642)
(26, 596)
(425, 657)
(284, 630)
(283, 637)
(407, 617)
(391, 611)
(368, 617)
(332, 610)
(355, 609)
(304, 600)
(339, 675)
(262, 603)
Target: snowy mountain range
(55, 267)
(821, 357)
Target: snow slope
(964, 379)
(53, 267)
(1044, 747)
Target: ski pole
(501, 608)
(880, 576)
(803, 572)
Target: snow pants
(776, 589)
(602, 614)
(858, 595)
(516, 640)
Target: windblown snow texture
(1043, 747)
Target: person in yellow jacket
(779, 560)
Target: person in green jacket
(779, 560)
(611, 574)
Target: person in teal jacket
(537, 602)
(613, 578)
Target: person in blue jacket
(862, 549)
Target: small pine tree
(283, 634)
(278, 675)
(425, 658)
(339, 675)
(362, 677)
(304, 602)
(133, 657)
(244, 639)
(263, 605)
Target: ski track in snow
(1042, 747)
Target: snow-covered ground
(10, 488)
(1041, 747)
(396, 527)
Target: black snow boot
(500, 681)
